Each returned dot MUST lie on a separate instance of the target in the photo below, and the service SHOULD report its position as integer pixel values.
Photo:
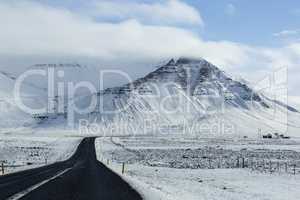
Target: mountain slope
(190, 96)
(192, 93)
(10, 114)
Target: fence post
(243, 162)
(294, 169)
(237, 162)
(270, 166)
(2, 168)
(107, 162)
(278, 166)
(286, 167)
(123, 168)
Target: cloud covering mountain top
(130, 37)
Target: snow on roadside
(19, 153)
(216, 184)
(294, 101)
(147, 192)
(156, 183)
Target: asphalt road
(82, 177)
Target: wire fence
(266, 166)
(6, 168)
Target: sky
(245, 38)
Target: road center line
(30, 189)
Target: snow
(171, 182)
(11, 116)
(212, 184)
(19, 153)
(203, 95)
(205, 121)
(294, 101)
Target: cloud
(168, 12)
(34, 29)
(32, 32)
(287, 33)
(230, 9)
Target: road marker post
(294, 169)
(243, 162)
(286, 167)
(2, 167)
(238, 162)
(123, 168)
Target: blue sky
(247, 38)
(252, 22)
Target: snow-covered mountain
(33, 92)
(182, 94)
(193, 93)
(196, 78)
(10, 114)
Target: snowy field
(212, 184)
(19, 153)
(177, 167)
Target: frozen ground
(212, 184)
(200, 153)
(19, 153)
(176, 168)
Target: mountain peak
(171, 62)
(187, 60)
